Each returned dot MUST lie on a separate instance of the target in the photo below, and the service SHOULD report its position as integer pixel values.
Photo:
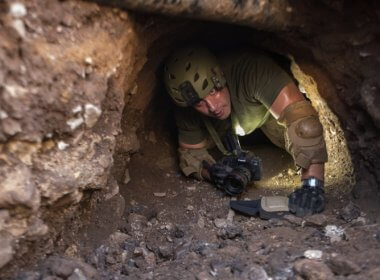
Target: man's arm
(287, 96)
(304, 140)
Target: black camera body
(246, 167)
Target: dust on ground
(178, 228)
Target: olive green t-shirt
(254, 81)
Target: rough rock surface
(60, 105)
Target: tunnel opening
(152, 110)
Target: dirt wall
(64, 70)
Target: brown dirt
(178, 228)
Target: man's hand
(309, 199)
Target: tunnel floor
(178, 228)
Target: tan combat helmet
(190, 74)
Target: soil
(173, 227)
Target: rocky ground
(178, 228)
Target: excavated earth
(89, 180)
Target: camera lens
(237, 180)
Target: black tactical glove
(309, 199)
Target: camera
(245, 168)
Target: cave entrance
(153, 170)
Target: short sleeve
(190, 126)
(263, 79)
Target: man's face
(217, 104)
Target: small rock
(317, 220)
(88, 60)
(37, 227)
(127, 177)
(349, 213)
(19, 26)
(201, 222)
(4, 216)
(190, 208)
(313, 270)
(59, 29)
(342, 266)
(136, 221)
(373, 274)
(182, 250)
(18, 188)
(204, 275)
(152, 137)
(3, 115)
(276, 222)
(360, 221)
(204, 248)
(257, 272)
(91, 114)
(159, 194)
(169, 226)
(134, 90)
(17, 10)
(77, 275)
(77, 109)
(6, 250)
(71, 251)
(62, 145)
(161, 216)
(220, 223)
(230, 216)
(124, 256)
(64, 267)
(150, 258)
(110, 259)
(75, 123)
(132, 263)
(293, 220)
(166, 252)
(217, 265)
(29, 275)
(88, 70)
(178, 233)
(313, 254)
(68, 20)
(138, 252)
(230, 250)
(335, 233)
(230, 232)
(111, 189)
(11, 127)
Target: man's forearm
(316, 170)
